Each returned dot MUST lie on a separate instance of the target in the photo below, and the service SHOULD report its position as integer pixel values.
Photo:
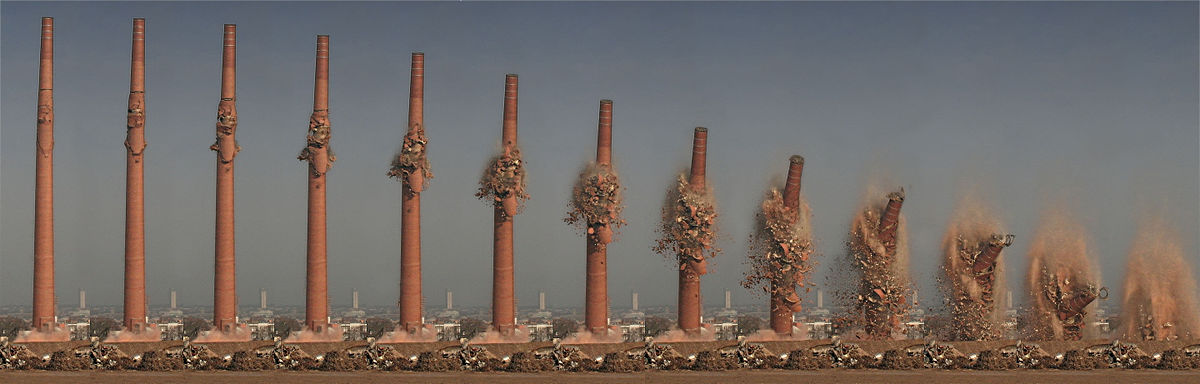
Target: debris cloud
(1160, 292)
(972, 272)
(1063, 279)
(877, 253)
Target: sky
(1089, 108)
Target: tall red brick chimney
(596, 295)
(689, 277)
(225, 272)
(503, 300)
(135, 226)
(43, 219)
(410, 216)
(316, 152)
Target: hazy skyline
(1090, 106)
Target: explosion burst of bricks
(874, 244)
(318, 138)
(411, 164)
(596, 203)
(779, 250)
(688, 229)
(970, 279)
(504, 177)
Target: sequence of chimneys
(319, 158)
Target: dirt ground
(685, 377)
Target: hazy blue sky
(1092, 105)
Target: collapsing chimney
(44, 317)
(780, 247)
(319, 157)
(873, 244)
(135, 227)
(411, 166)
(596, 209)
(688, 232)
(225, 275)
(503, 184)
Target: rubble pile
(1027, 355)
(654, 355)
(1179, 359)
(877, 245)
(160, 361)
(341, 361)
(935, 355)
(504, 177)
(1080, 360)
(67, 361)
(749, 355)
(714, 361)
(779, 250)
(561, 357)
(994, 360)
(530, 362)
(285, 356)
(375, 356)
(804, 359)
(596, 203)
(101, 356)
(898, 359)
(1120, 355)
(249, 361)
(470, 357)
(621, 363)
(688, 229)
(410, 163)
(842, 355)
(434, 362)
(13, 356)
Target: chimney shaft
(635, 301)
(820, 298)
(82, 299)
(689, 276)
(541, 301)
(355, 299)
(596, 295)
(319, 160)
(410, 214)
(890, 221)
(449, 300)
(225, 276)
(43, 219)
(728, 300)
(782, 309)
(263, 298)
(503, 300)
(135, 145)
(173, 302)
